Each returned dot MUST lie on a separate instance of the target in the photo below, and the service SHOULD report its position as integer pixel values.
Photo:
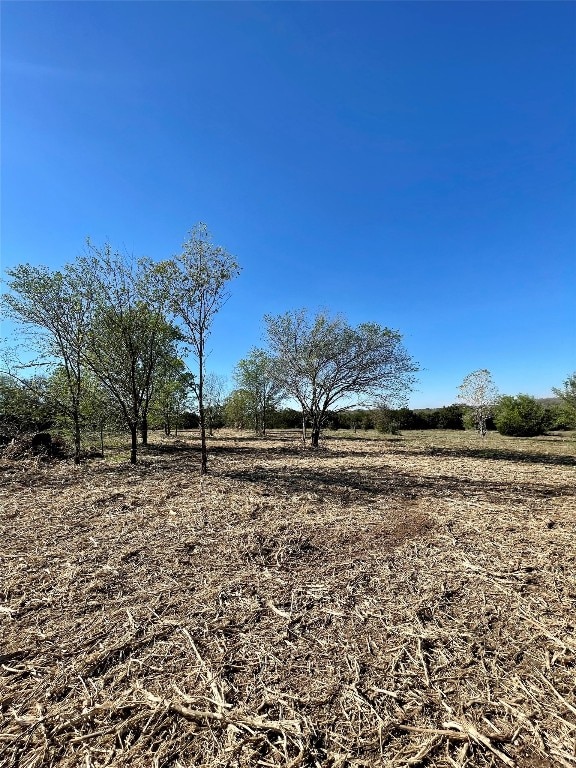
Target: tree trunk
(144, 429)
(303, 428)
(315, 435)
(102, 439)
(203, 448)
(134, 446)
(77, 442)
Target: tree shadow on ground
(495, 454)
(167, 449)
(349, 486)
(257, 451)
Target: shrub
(560, 417)
(386, 422)
(520, 416)
(469, 421)
(450, 417)
(287, 418)
(405, 418)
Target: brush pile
(371, 603)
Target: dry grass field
(407, 601)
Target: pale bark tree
(479, 393)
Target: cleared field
(396, 602)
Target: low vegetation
(395, 601)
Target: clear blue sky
(410, 163)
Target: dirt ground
(409, 601)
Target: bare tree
(195, 286)
(324, 364)
(480, 394)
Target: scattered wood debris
(372, 603)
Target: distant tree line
(110, 334)
(34, 405)
(537, 419)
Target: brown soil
(399, 602)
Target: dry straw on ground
(402, 602)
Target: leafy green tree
(479, 393)
(323, 363)
(167, 359)
(568, 396)
(560, 417)
(286, 418)
(129, 336)
(214, 389)
(172, 395)
(450, 417)
(385, 421)
(256, 376)
(195, 286)
(520, 416)
(238, 409)
(55, 393)
(54, 317)
(405, 418)
(25, 406)
(100, 410)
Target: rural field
(402, 601)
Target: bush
(24, 407)
(469, 421)
(287, 418)
(386, 422)
(450, 417)
(188, 420)
(559, 417)
(520, 416)
(408, 419)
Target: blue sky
(410, 163)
